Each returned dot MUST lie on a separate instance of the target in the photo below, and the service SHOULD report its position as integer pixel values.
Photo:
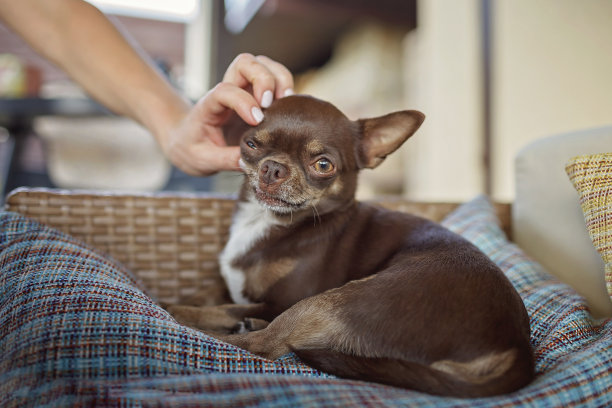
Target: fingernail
(266, 99)
(257, 114)
(288, 92)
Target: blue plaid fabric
(76, 329)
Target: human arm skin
(78, 38)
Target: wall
(552, 73)
(444, 159)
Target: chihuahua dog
(353, 289)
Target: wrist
(164, 117)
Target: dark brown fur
(356, 290)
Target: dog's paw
(249, 325)
(240, 328)
(253, 324)
(224, 319)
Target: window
(169, 10)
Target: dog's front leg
(312, 323)
(222, 319)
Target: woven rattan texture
(169, 241)
(437, 211)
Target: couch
(82, 275)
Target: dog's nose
(272, 172)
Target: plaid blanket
(77, 329)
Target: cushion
(70, 316)
(76, 329)
(552, 230)
(592, 178)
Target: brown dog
(353, 289)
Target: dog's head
(306, 154)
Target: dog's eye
(323, 166)
(251, 144)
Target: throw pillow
(592, 178)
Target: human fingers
(205, 159)
(265, 76)
(200, 149)
(217, 158)
(215, 107)
(247, 71)
(282, 76)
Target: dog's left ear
(383, 135)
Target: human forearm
(80, 40)
(83, 42)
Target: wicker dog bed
(170, 241)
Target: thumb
(225, 158)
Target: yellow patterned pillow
(592, 178)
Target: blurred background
(491, 76)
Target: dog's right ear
(383, 135)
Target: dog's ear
(383, 135)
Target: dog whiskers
(316, 215)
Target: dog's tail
(493, 374)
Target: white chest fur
(251, 222)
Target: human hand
(197, 145)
